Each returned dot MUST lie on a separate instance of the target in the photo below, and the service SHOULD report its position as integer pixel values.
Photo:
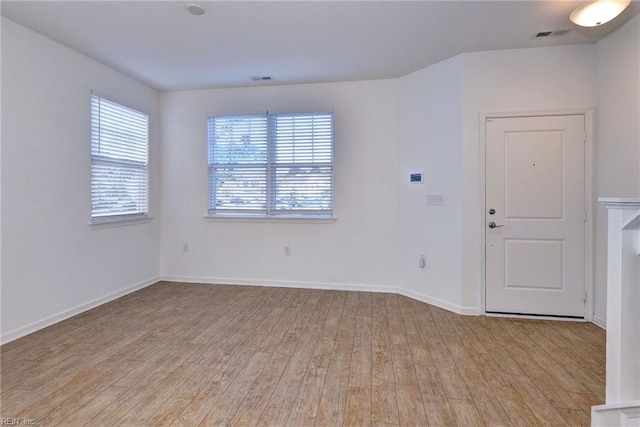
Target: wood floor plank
(395, 325)
(418, 345)
(334, 315)
(79, 390)
(469, 338)
(304, 410)
(358, 407)
(92, 408)
(305, 407)
(522, 350)
(585, 400)
(168, 412)
(463, 360)
(488, 405)
(160, 393)
(590, 381)
(495, 349)
(530, 346)
(188, 354)
(225, 407)
(333, 401)
(411, 411)
(515, 406)
(113, 411)
(344, 336)
(575, 417)
(274, 416)
(384, 403)
(537, 401)
(439, 413)
(255, 402)
(466, 413)
(291, 378)
(360, 372)
(430, 386)
(492, 373)
(450, 378)
(202, 403)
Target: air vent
(556, 33)
(261, 78)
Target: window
(270, 165)
(119, 161)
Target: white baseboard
(281, 284)
(469, 311)
(41, 324)
(599, 321)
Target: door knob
(494, 225)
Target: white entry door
(534, 223)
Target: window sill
(119, 222)
(295, 219)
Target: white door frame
(589, 115)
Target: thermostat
(416, 178)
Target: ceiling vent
(556, 33)
(261, 78)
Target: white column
(623, 315)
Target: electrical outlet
(422, 261)
(435, 199)
(287, 250)
(185, 247)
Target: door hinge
(584, 215)
(584, 296)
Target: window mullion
(271, 153)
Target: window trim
(117, 219)
(271, 213)
(120, 222)
(289, 219)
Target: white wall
(430, 141)
(54, 264)
(356, 251)
(618, 133)
(523, 80)
(440, 111)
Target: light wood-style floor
(181, 354)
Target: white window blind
(119, 161)
(274, 164)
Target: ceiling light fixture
(598, 12)
(194, 9)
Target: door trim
(589, 187)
